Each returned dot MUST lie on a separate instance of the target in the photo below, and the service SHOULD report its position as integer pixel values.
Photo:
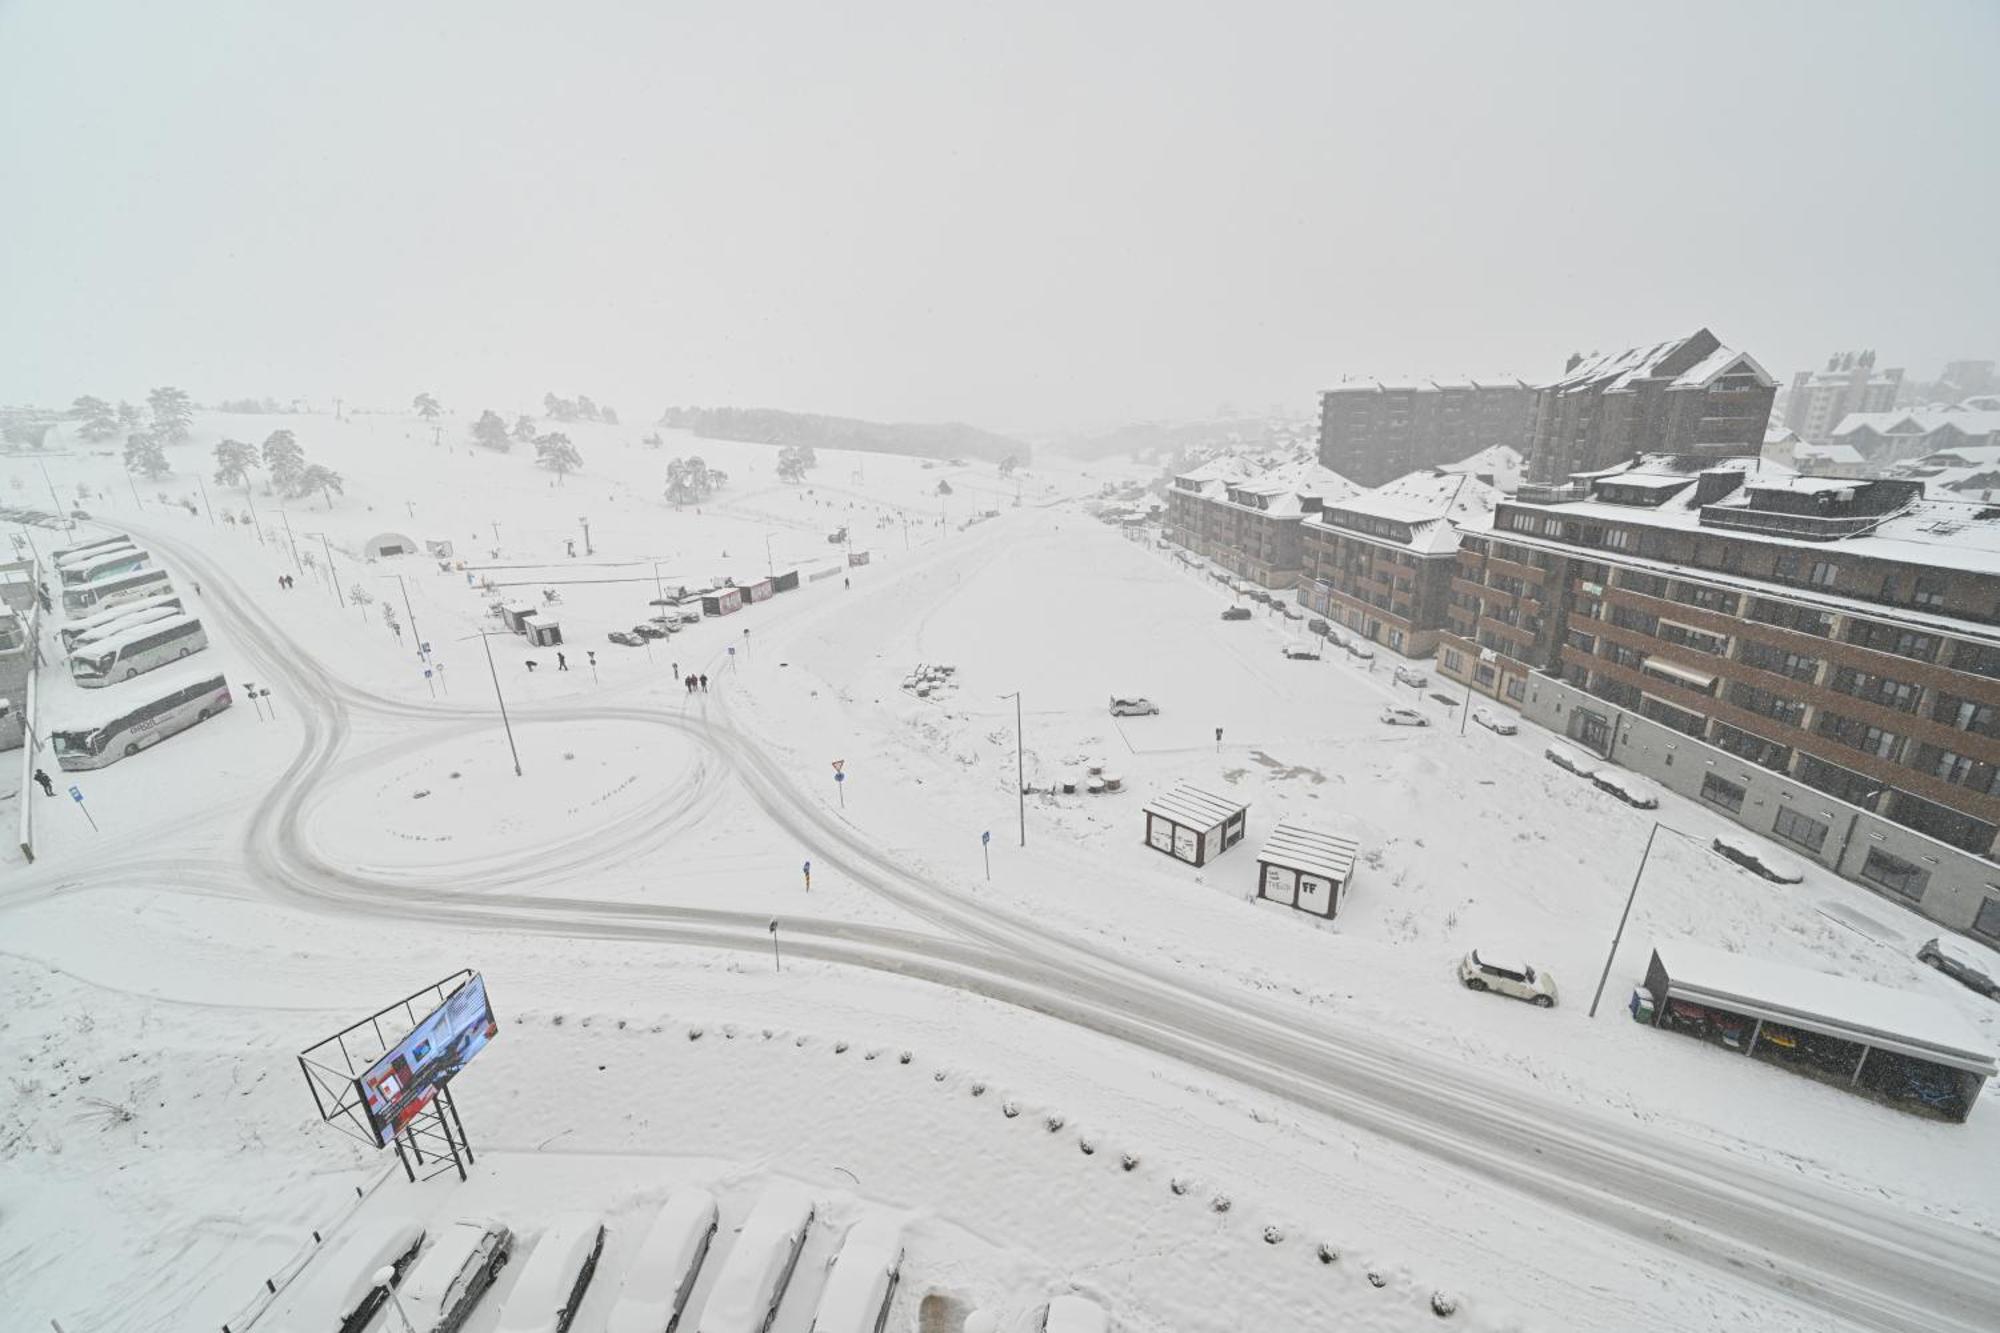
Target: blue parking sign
(76, 794)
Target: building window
(1982, 659)
(1896, 694)
(1822, 573)
(1720, 791)
(1485, 674)
(1966, 715)
(1396, 640)
(1800, 830)
(1929, 592)
(1890, 639)
(1650, 584)
(1517, 688)
(1765, 657)
(1987, 922)
(1618, 539)
(1946, 825)
(1667, 715)
(1765, 754)
(1895, 874)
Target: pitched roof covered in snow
(1191, 807)
(1369, 384)
(1420, 511)
(1970, 422)
(1284, 491)
(1620, 372)
(1328, 855)
(1499, 465)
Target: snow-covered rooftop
(1429, 501)
(1425, 384)
(1502, 462)
(1328, 855)
(1617, 371)
(1921, 421)
(1191, 807)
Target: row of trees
(690, 480)
(553, 450)
(284, 462)
(171, 410)
(579, 408)
(794, 461)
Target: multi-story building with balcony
(1371, 432)
(1381, 563)
(1689, 396)
(1249, 524)
(1816, 657)
(1820, 400)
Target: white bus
(93, 626)
(139, 716)
(136, 651)
(90, 553)
(91, 568)
(116, 589)
(115, 539)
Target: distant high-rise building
(1371, 432)
(1820, 400)
(1688, 396)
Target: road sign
(732, 650)
(986, 837)
(839, 764)
(425, 648)
(76, 794)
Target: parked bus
(101, 543)
(117, 589)
(136, 651)
(90, 553)
(92, 626)
(139, 716)
(118, 560)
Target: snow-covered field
(1283, 1087)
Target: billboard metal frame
(333, 1068)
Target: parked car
(647, 629)
(339, 1291)
(1074, 1314)
(1398, 716)
(1412, 677)
(1571, 760)
(1359, 648)
(626, 637)
(1633, 790)
(671, 624)
(1132, 705)
(663, 1270)
(1962, 963)
(1301, 651)
(1498, 723)
(557, 1273)
(759, 1265)
(862, 1280)
(1507, 977)
(1753, 855)
(1237, 613)
(454, 1274)
(1319, 627)
(1290, 611)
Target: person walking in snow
(677, 668)
(562, 662)
(704, 684)
(42, 781)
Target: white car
(1304, 652)
(863, 1279)
(1507, 977)
(1497, 723)
(557, 1273)
(1753, 855)
(1634, 791)
(1360, 648)
(1397, 716)
(663, 1270)
(1132, 705)
(339, 1290)
(759, 1264)
(454, 1274)
(1074, 1314)
(1573, 761)
(1412, 677)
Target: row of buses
(128, 622)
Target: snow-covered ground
(260, 883)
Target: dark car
(646, 629)
(1317, 626)
(1962, 964)
(626, 637)
(1237, 613)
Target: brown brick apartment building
(1371, 432)
(1249, 524)
(1789, 638)
(1689, 396)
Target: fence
(256, 1307)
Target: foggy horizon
(1022, 219)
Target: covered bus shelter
(1910, 1050)
(1306, 869)
(1192, 825)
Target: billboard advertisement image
(401, 1084)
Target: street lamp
(1020, 765)
(331, 573)
(483, 636)
(1620, 933)
(408, 610)
(385, 1277)
(1866, 802)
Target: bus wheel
(131, 749)
(202, 716)
(183, 652)
(131, 672)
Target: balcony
(1541, 493)
(1806, 527)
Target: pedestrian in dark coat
(704, 684)
(562, 662)
(42, 780)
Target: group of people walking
(285, 582)
(695, 684)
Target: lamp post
(1865, 802)
(331, 573)
(483, 636)
(60, 514)
(770, 562)
(290, 540)
(1629, 898)
(1020, 766)
(204, 499)
(408, 610)
(588, 549)
(385, 1277)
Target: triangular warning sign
(839, 764)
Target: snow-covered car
(1398, 716)
(689, 611)
(1301, 650)
(1507, 976)
(1132, 705)
(664, 1268)
(1236, 613)
(340, 1293)
(1075, 1314)
(1572, 760)
(648, 630)
(1758, 858)
(863, 1279)
(453, 1274)
(1318, 626)
(552, 1282)
(626, 637)
(1359, 648)
(1963, 963)
(759, 1267)
(671, 624)
(1411, 676)
(1497, 723)
(1290, 611)
(1628, 787)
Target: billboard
(402, 1083)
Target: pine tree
(554, 452)
(173, 413)
(98, 421)
(284, 460)
(233, 461)
(491, 432)
(145, 456)
(322, 479)
(426, 406)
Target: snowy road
(1867, 1264)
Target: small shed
(515, 615)
(438, 546)
(721, 601)
(541, 632)
(1910, 1050)
(389, 543)
(857, 558)
(1306, 869)
(1192, 825)
(785, 582)
(757, 590)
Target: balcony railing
(1808, 527)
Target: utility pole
(327, 546)
(52, 488)
(770, 562)
(509, 726)
(777, 964)
(588, 549)
(496, 534)
(1020, 766)
(408, 610)
(204, 499)
(255, 526)
(296, 562)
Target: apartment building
(1381, 562)
(1249, 522)
(1371, 432)
(1689, 396)
(1821, 655)
(1884, 438)
(1818, 401)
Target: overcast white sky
(1019, 215)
